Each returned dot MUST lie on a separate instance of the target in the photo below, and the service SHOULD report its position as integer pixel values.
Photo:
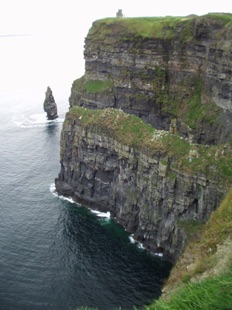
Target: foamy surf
(101, 214)
(34, 120)
(105, 215)
(132, 240)
(54, 193)
(139, 245)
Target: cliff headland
(148, 135)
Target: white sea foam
(54, 192)
(159, 254)
(132, 240)
(97, 213)
(34, 120)
(101, 214)
(52, 189)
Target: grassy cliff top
(156, 27)
(215, 162)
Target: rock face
(145, 193)
(168, 68)
(174, 74)
(49, 105)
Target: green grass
(208, 260)
(151, 27)
(97, 86)
(196, 111)
(192, 228)
(210, 245)
(219, 227)
(214, 161)
(144, 27)
(92, 86)
(226, 18)
(214, 293)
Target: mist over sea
(55, 254)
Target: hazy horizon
(54, 33)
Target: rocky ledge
(162, 69)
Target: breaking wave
(101, 214)
(54, 193)
(34, 120)
(97, 213)
(132, 240)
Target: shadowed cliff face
(145, 193)
(162, 69)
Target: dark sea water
(55, 254)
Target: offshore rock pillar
(49, 105)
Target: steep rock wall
(143, 191)
(160, 69)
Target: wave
(34, 120)
(132, 240)
(101, 214)
(97, 213)
(54, 193)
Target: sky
(59, 16)
(62, 25)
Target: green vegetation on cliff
(212, 293)
(215, 162)
(160, 47)
(152, 27)
(92, 86)
(202, 278)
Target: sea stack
(50, 106)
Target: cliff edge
(162, 69)
(148, 135)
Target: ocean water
(55, 254)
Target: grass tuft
(213, 293)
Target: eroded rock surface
(174, 74)
(177, 70)
(49, 105)
(145, 194)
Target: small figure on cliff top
(50, 105)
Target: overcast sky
(59, 28)
(59, 16)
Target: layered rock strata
(141, 182)
(162, 69)
(174, 74)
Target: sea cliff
(162, 69)
(151, 181)
(148, 135)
